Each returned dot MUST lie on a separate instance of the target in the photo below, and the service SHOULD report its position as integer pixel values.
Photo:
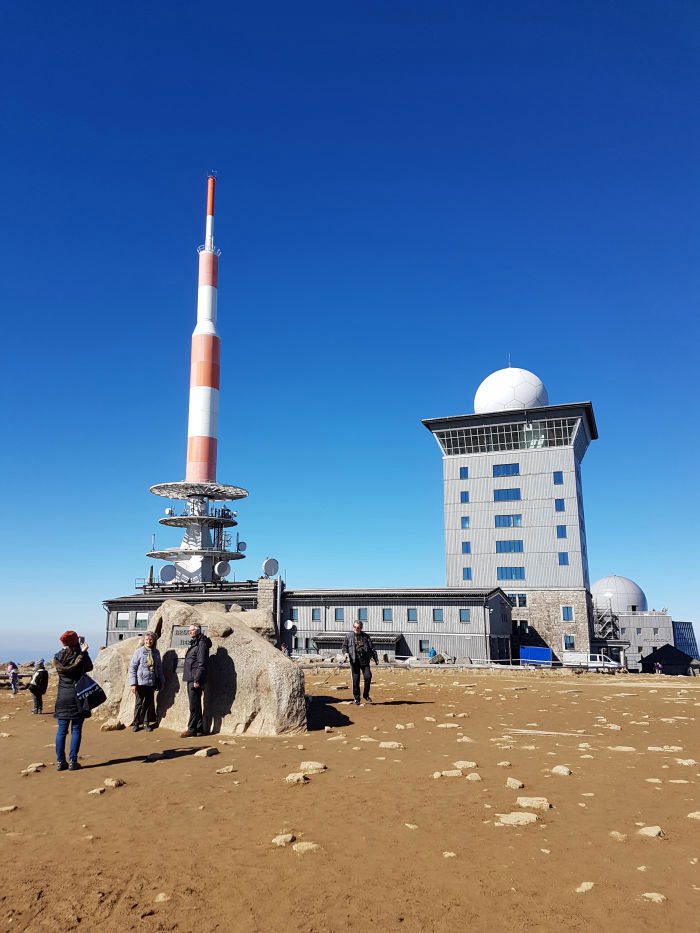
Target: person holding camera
(70, 663)
(145, 677)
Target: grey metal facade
(645, 632)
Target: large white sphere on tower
(618, 594)
(509, 389)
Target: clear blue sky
(408, 192)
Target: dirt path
(202, 840)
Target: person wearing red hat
(70, 663)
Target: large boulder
(251, 686)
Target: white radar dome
(509, 389)
(618, 594)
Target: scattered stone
(654, 896)
(97, 790)
(410, 826)
(621, 748)
(653, 831)
(514, 783)
(114, 782)
(464, 738)
(584, 886)
(4, 735)
(366, 738)
(452, 773)
(206, 752)
(9, 809)
(665, 748)
(285, 839)
(449, 855)
(410, 725)
(228, 769)
(437, 774)
(465, 765)
(504, 764)
(561, 769)
(112, 725)
(473, 777)
(296, 777)
(231, 742)
(448, 725)
(162, 897)
(695, 815)
(302, 847)
(653, 780)
(391, 745)
(430, 719)
(533, 803)
(517, 819)
(688, 762)
(302, 748)
(328, 728)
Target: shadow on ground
(166, 753)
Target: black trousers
(145, 709)
(366, 673)
(194, 694)
(38, 702)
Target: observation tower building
(513, 504)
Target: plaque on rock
(180, 636)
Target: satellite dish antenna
(222, 568)
(270, 567)
(241, 546)
(167, 573)
(170, 511)
(289, 625)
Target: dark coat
(349, 647)
(70, 664)
(39, 682)
(197, 660)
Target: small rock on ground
(654, 896)
(114, 782)
(533, 803)
(302, 847)
(228, 769)
(312, 767)
(517, 819)
(561, 769)
(97, 790)
(296, 777)
(584, 886)
(206, 752)
(653, 831)
(284, 839)
(514, 783)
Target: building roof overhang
(574, 409)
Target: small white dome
(618, 594)
(509, 389)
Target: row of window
(510, 521)
(141, 620)
(511, 469)
(513, 573)
(623, 631)
(308, 644)
(509, 495)
(387, 615)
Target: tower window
(508, 521)
(437, 615)
(464, 472)
(558, 478)
(563, 558)
(362, 615)
(411, 615)
(509, 547)
(569, 643)
(567, 613)
(386, 615)
(522, 600)
(315, 615)
(561, 531)
(339, 615)
(464, 615)
(506, 469)
(510, 573)
(559, 505)
(466, 573)
(464, 496)
(465, 521)
(466, 547)
(506, 495)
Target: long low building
(471, 624)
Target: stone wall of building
(546, 619)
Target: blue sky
(407, 194)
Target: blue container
(541, 657)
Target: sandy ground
(202, 841)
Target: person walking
(195, 675)
(71, 663)
(37, 686)
(13, 675)
(145, 677)
(359, 650)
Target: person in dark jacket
(195, 676)
(358, 648)
(70, 663)
(145, 677)
(37, 686)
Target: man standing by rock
(358, 648)
(195, 675)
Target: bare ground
(202, 840)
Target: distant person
(195, 676)
(145, 677)
(432, 653)
(13, 676)
(284, 649)
(359, 650)
(37, 686)
(657, 667)
(70, 663)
